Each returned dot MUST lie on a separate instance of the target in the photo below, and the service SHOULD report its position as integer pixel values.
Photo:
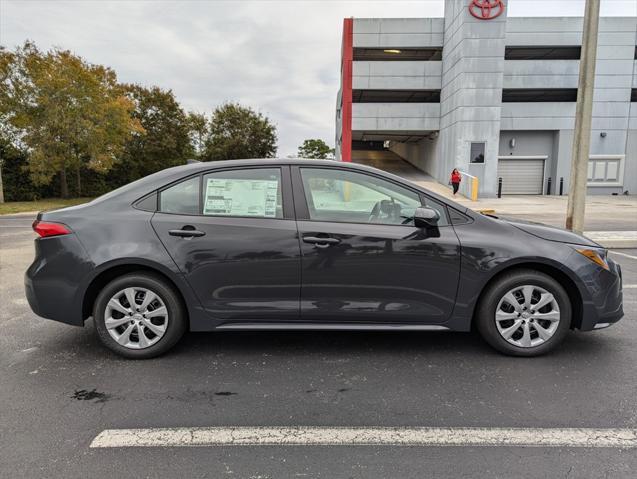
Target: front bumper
(53, 279)
(604, 306)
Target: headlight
(597, 256)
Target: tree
(70, 114)
(6, 62)
(17, 183)
(164, 141)
(316, 149)
(198, 124)
(239, 132)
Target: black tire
(176, 324)
(486, 310)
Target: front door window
(351, 197)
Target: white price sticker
(235, 197)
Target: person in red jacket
(455, 180)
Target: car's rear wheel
(139, 316)
(524, 313)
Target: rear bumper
(53, 279)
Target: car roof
(197, 166)
(273, 161)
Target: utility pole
(583, 118)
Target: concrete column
(471, 93)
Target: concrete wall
(396, 75)
(613, 81)
(527, 143)
(471, 76)
(395, 116)
(398, 32)
(540, 73)
(532, 143)
(563, 146)
(630, 168)
(557, 147)
(558, 31)
(615, 74)
(538, 116)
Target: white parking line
(629, 286)
(624, 254)
(364, 436)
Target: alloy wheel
(527, 316)
(136, 318)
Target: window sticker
(241, 197)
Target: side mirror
(425, 217)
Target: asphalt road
(59, 389)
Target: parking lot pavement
(60, 390)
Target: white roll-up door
(521, 176)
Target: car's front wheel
(524, 313)
(139, 316)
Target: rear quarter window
(148, 203)
(182, 198)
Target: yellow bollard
(474, 189)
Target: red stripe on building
(346, 89)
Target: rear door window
(252, 192)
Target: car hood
(550, 233)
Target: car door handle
(321, 242)
(186, 233)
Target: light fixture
(603, 134)
(392, 50)
(512, 142)
(597, 256)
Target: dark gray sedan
(310, 245)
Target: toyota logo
(486, 9)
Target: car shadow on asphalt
(328, 342)
(364, 343)
(83, 343)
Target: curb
(617, 243)
(614, 239)
(21, 213)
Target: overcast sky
(280, 57)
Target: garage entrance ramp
(390, 162)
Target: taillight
(45, 229)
